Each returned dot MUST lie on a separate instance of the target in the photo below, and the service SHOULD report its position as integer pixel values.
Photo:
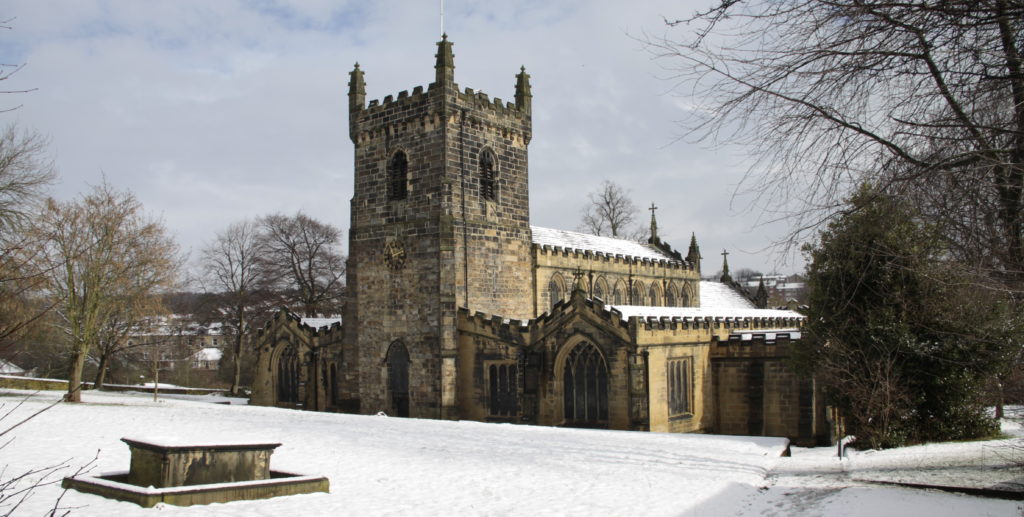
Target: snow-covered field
(392, 466)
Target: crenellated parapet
(614, 258)
(441, 101)
(709, 322)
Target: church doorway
(398, 379)
(585, 383)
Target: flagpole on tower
(442, 16)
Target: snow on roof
(8, 368)
(584, 241)
(321, 322)
(208, 354)
(716, 300)
(716, 295)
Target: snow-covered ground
(392, 466)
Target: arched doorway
(288, 376)
(398, 379)
(585, 383)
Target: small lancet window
(398, 177)
(487, 175)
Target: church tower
(440, 220)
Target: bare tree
(131, 315)
(302, 256)
(610, 211)
(232, 267)
(99, 254)
(909, 96)
(25, 172)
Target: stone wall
(603, 273)
(756, 392)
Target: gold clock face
(394, 255)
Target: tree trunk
(74, 393)
(101, 373)
(156, 374)
(236, 365)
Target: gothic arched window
(487, 175)
(398, 176)
(585, 386)
(670, 296)
(617, 294)
(638, 294)
(555, 291)
(601, 290)
(654, 295)
(288, 376)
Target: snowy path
(391, 466)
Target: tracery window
(487, 175)
(680, 382)
(654, 295)
(599, 291)
(398, 177)
(555, 291)
(504, 391)
(585, 386)
(638, 294)
(670, 296)
(288, 376)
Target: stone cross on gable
(654, 224)
(576, 276)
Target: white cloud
(218, 111)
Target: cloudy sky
(217, 111)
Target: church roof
(607, 245)
(701, 312)
(321, 322)
(716, 295)
(716, 300)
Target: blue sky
(212, 112)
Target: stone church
(458, 308)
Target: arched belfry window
(487, 174)
(585, 386)
(398, 176)
(288, 376)
(398, 378)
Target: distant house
(9, 368)
(207, 359)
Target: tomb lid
(162, 443)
